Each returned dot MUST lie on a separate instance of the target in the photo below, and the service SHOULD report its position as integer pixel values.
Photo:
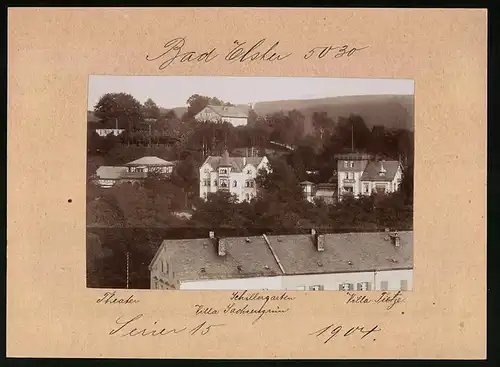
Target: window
(206, 182)
(366, 188)
(316, 288)
(347, 175)
(223, 171)
(215, 183)
(249, 171)
(352, 164)
(247, 197)
(345, 164)
(301, 288)
(384, 285)
(249, 183)
(404, 285)
(364, 286)
(162, 267)
(235, 183)
(205, 195)
(346, 287)
(223, 183)
(207, 170)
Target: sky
(174, 91)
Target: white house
(106, 132)
(235, 115)
(233, 174)
(351, 261)
(359, 174)
(133, 172)
(151, 165)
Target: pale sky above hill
(174, 91)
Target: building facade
(308, 262)
(235, 175)
(133, 172)
(235, 115)
(360, 174)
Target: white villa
(359, 174)
(235, 115)
(306, 262)
(233, 174)
(133, 172)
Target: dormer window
(223, 171)
(352, 164)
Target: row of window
(224, 171)
(224, 182)
(348, 164)
(248, 197)
(361, 286)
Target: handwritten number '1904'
(331, 331)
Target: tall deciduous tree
(120, 107)
(151, 110)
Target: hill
(391, 111)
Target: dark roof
(297, 254)
(235, 162)
(366, 251)
(372, 171)
(189, 256)
(230, 111)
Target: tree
(323, 124)
(151, 110)
(119, 107)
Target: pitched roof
(366, 251)
(189, 256)
(230, 111)
(372, 170)
(150, 161)
(297, 254)
(236, 163)
(110, 172)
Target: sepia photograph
(249, 183)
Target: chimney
(221, 247)
(396, 239)
(320, 242)
(211, 234)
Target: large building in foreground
(235, 175)
(350, 261)
(360, 174)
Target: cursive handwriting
(244, 51)
(339, 51)
(329, 332)
(111, 298)
(386, 298)
(241, 54)
(173, 52)
(125, 328)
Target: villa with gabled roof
(235, 175)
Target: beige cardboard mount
(52, 52)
